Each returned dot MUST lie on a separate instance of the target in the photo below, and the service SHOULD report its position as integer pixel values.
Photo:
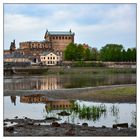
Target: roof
(15, 55)
(46, 53)
(60, 33)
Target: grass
(127, 91)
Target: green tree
(124, 55)
(70, 52)
(87, 54)
(94, 54)
(111, 52)
(131, 54)
(80, 52)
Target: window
(62, 37)
(48, 57)
(69, 37)
(59, 37)
(65, 37)
(53, 57)
(56, 37)
(57, 57)
(44, 57)
(48, 62)
(53, 37)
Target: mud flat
(28, 127)
(111, 93)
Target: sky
(93, 24)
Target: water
(66, 81)
(38, 107)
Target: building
(16, 57)
(50, 103)
(50, 58)
(54, 41)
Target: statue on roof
(13, 46)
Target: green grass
(127, 91)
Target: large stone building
(53, 41)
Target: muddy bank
(28, 127)
(87, 94)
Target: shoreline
(29, 127)
(87, 94)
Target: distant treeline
(110, 52)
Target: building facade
(54, 41)
(49, 58)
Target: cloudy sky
(94, 24)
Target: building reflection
(52, 104)
(47, 83)
(13, 99)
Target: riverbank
(28, 127)
(60, 70)
(111, 93)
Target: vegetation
(86, 112)
(78, 52)
(110, 52)
(127, 91)
(115, 52)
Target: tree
(94, 54)
(131, 54)
(80, 52)
(87, 54)
(111, 52)
(70, 52)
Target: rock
(55, 124)
(133, 126)
(9, 129)
(64, 113)
(122, 125)
(103, 126)
(85, 124)
(16, 117)
(5, 124)
(30, 123)
(51, 119)
(70, 132)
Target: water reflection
(97, 114)
(114, 110)
(66, 81)
(13, 99)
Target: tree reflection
(115, 112)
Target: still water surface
(38, 107)
(66, 81)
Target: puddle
(93, 113)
